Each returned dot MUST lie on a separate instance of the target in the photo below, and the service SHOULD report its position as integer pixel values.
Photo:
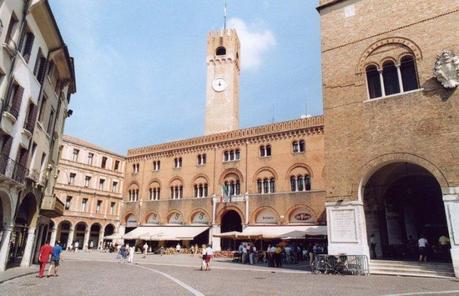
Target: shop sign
(300, 216)
(266, 217)
(200, 218)
(176, 218)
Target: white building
(37, 79)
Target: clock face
(219, 84)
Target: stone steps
(411, 268)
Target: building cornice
(310, 125)
(79, 142)
(65, 163)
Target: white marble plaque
(343, 226)
(453, 213)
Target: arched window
(390, 78)
(266, 185)
(176, 189)
(373, 82)
(265, 151)
(409, 74)
(300, 183)
(231, 185)
(200, 190)
(133, 193)
(221, 51)
(155, 191)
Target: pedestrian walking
(203, 257)
(373, 246)
(55, 259)
(145, 250)
(131, 254)
(422, 248)
(76, 245)
(209, 255)
(178, 248)
(43, 258)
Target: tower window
(221, 51)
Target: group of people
(248, 253)
(126, 253)
(49, 254)
(419, 249)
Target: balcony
(52, 207)
(12, 170)
(29, 126)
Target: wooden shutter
(28, 46)
(17, 101)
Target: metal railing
(12, 169)
(341, 264)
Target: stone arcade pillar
(346, 228)
(101, 239)
(5, 246)
(70, 238)
(215, 229)
(451, 201)
(121, 232)
(86, 238)
(52, 240)
(25, 262)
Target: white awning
(283, 231)
(113, 236)
(164, 233)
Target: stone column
(347, 233)
(246, 197)
(216, 241)
(101, 239)
(451, 201)
(121, 232)
(5, 246)
(52, 240)
(70, 238)
(86, 238)
(28, 247)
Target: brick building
(392, 129)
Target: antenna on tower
(224, 17)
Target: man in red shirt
(45, 252)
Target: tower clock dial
(219, 84)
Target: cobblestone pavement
(100, 274)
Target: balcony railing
(13, 110)
(12, 169)
(29, 125)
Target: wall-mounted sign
(153, 219)
(175, 218)
(200, 218)
(301, 215)
(266, 216)
(131, 221)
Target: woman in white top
(209, 254)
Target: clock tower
(223, 71)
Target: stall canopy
(275, 232)
(165, 233)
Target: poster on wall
(175, 218)
(301, 215)
(153, 219)
(200, 218)
(266, 216)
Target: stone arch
(179, 219)
(6, 208)
(263, 169)
(405, 42)
(222, 212)
(149, 214)
(291, 210)
(134, 184)
(230, 171)
(255, 214)
(176, 179)
(126, 217)
(196, 212)
(153, 181)
(199, 176)
(298, 165)
(367, 170)
(27, 210)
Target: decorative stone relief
(446, 69)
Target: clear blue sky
(141, 72)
